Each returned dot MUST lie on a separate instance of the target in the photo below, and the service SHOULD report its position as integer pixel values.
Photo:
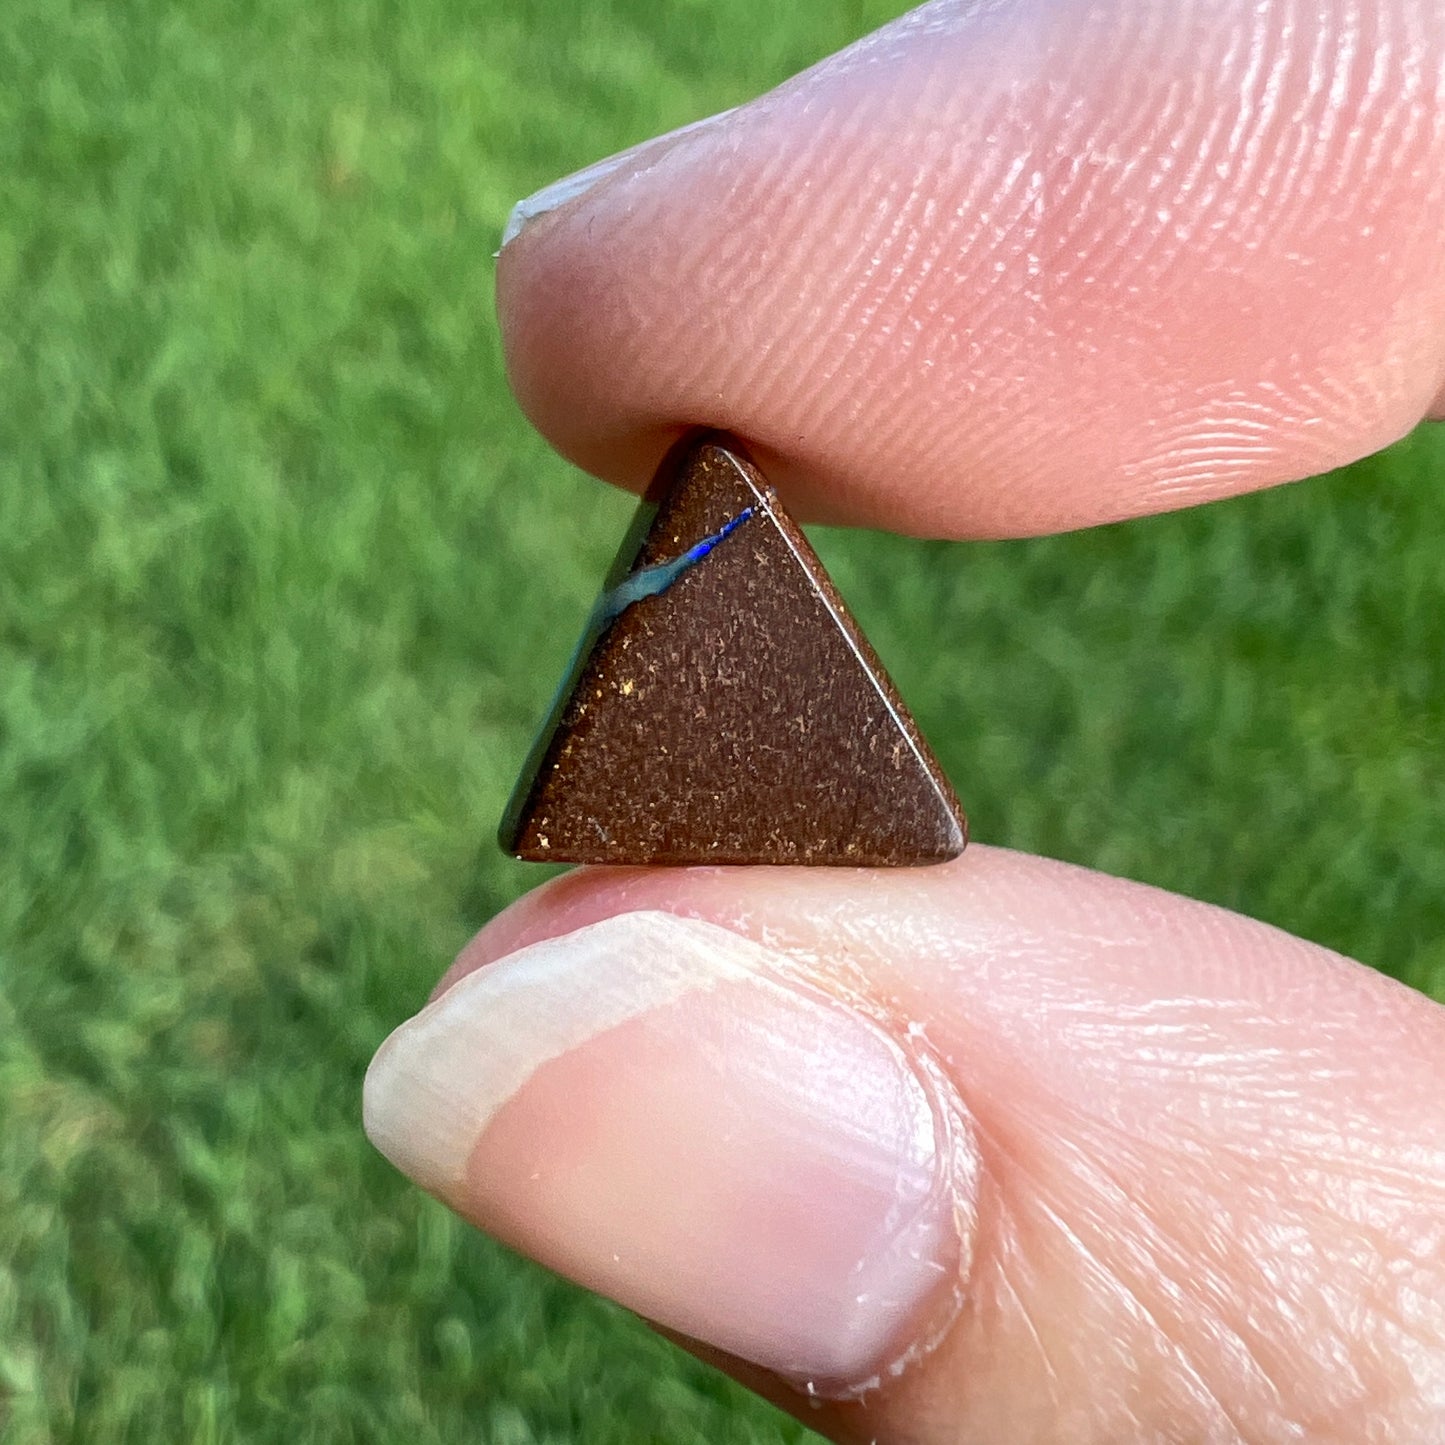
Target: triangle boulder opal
(723, 706)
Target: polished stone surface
(724, 707)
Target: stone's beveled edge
(681, 458)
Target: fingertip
(1005, 270)
(687, 1121)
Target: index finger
(1004, 269)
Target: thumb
(997, 1150)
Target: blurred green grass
(266, 516)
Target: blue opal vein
(650, 581)
(636, 587)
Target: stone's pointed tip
(724, 707)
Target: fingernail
(672, 1115)
(569, 188)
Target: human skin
(1003, 1149)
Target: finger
(1009, 269)
(996, 1150)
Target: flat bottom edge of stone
(716, 860)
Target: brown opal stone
(724, 707)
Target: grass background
(265, 517)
